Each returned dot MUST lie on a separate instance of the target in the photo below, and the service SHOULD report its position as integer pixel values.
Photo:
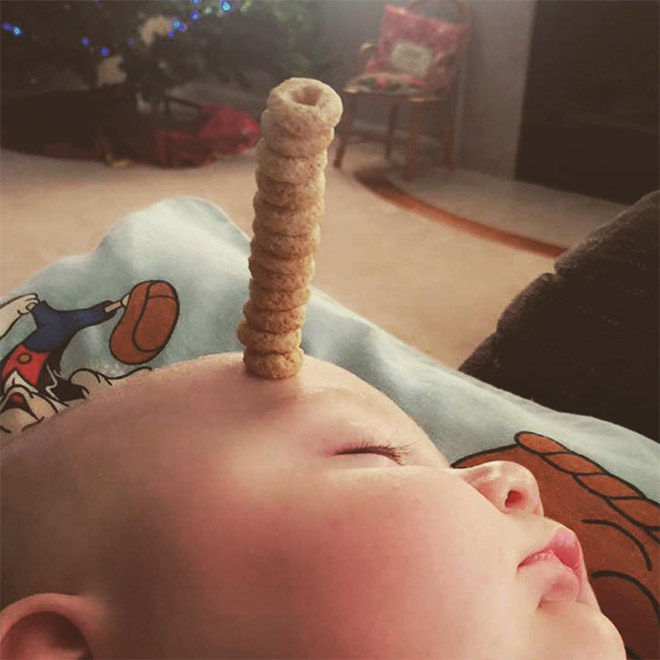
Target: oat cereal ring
(274, 365)
(304, 106)
(277, 264)
(280, 193)
(297, 127)
(273, 321)
(284, 246)
(283, 220)
(267, 342)
(289, 170)
(288, 144)
(277, 301)
(268, 279)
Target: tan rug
(521, 214)
(430, 284)
(378, 181)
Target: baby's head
(201, 512)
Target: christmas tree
(160, 44)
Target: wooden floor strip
(376, 180)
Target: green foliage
(279, 37)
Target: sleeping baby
(270, 504)
(307, 517)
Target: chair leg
(345, 131)
(415, 124)
(391, 127)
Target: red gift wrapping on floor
(101, 124)
(220, 131)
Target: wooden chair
(444, 100)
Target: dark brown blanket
(585, 339)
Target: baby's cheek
(364, 562)
(373, 563)
(343, 549)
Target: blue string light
(177, 24)
(14, 29)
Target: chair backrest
(461, 11)
(428, 49)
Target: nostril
(508, 486)
(514, 499)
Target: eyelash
(396, 452)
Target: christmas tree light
(80, 34)
(14, 29)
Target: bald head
(199, 511)
(77, 479)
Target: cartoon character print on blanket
(32, 386)
(616, 523)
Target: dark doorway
(590, 117)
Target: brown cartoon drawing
(617, 525)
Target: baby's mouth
(561, 571)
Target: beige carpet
(431, 285)
(524, 209)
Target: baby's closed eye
(397, 453)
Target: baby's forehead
(222, 378)
(167, 425)
(155, 412)
(202, 387)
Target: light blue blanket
(192, 245)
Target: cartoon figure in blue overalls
(32, 387)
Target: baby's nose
(509, 486)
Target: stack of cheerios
(297, 126)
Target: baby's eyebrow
(342, 410)
(373, 422)
(299, 400)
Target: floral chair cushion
(414, 53)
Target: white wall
(497, 63)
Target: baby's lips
(561, 569)
(557, 581)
